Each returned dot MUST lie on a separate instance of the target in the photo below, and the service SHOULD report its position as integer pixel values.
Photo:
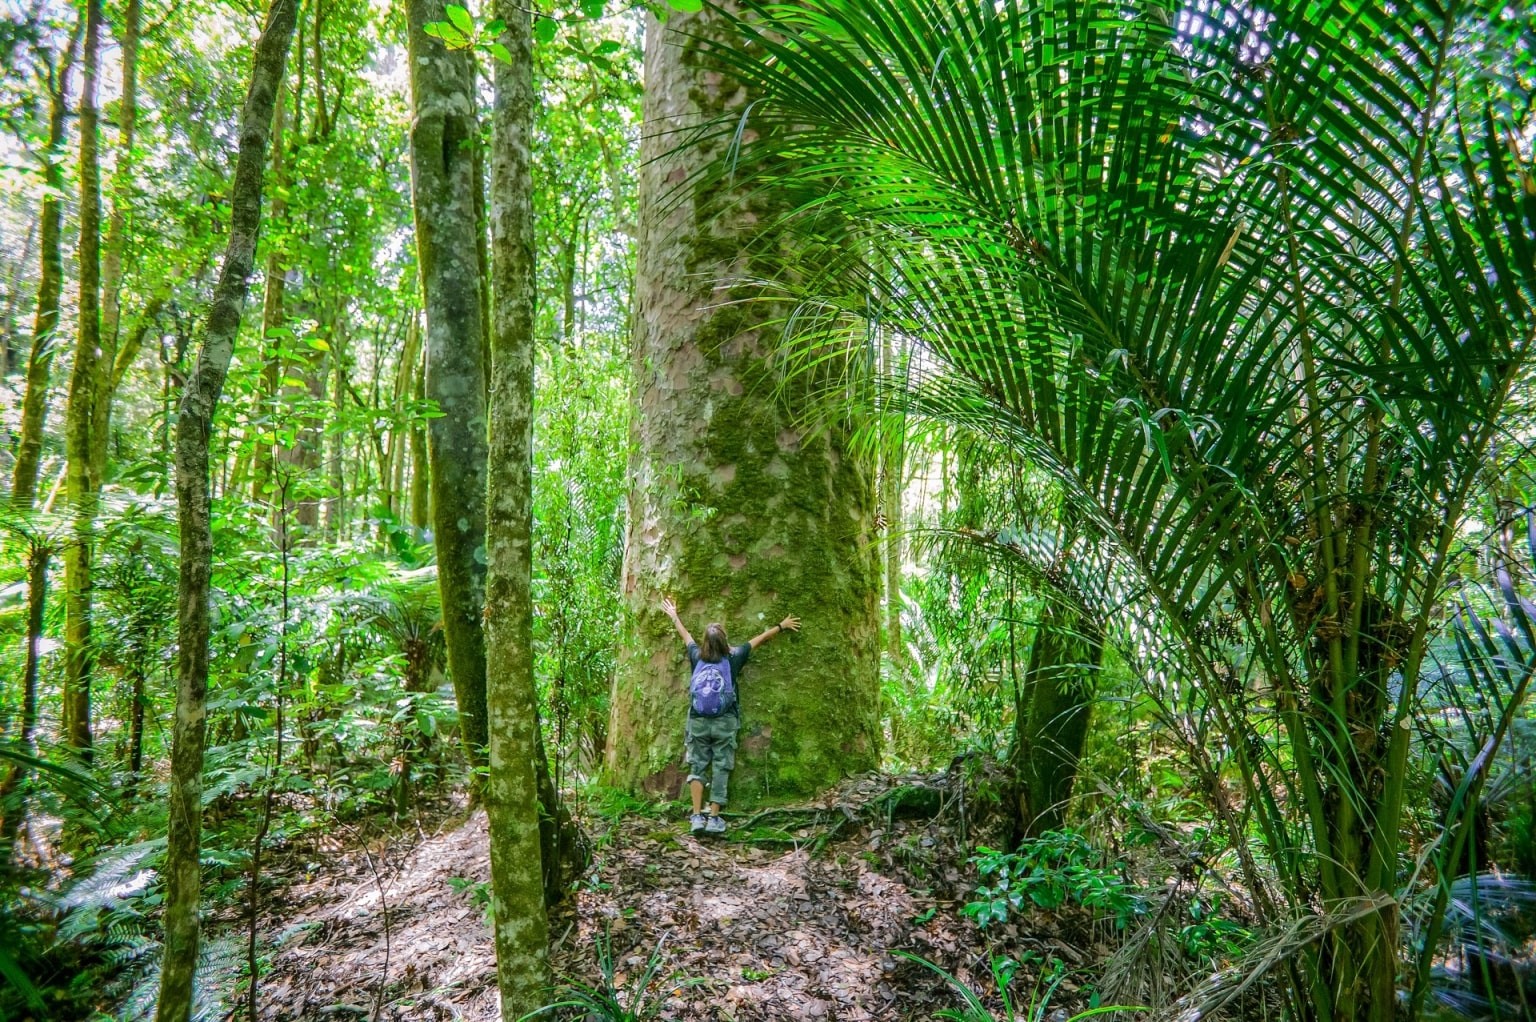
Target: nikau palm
(1255, 286)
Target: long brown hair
(716, 648)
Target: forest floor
(795, 916)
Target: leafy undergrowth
(797, 916)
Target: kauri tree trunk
(737, 508)
(183, 873)
(50, 285)
(512, 791)
(81, 484)
(444, 132)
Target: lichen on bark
(739, 508)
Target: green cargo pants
(711, 743)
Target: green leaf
(494, 28)
(592, 8)
(460, 18)
(686, 6)
(544, 29)
(608, 46)
(500, 52)
(434, 28)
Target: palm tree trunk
(1051, 719)
(183, 872)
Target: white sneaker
(715, 826)
(697, 824)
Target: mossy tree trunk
(1051, 716)
(50, 284)
(194, 425)
(444, 133)
(81, 481)
(512, 791)
(736, 507)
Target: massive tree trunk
(512, 792)
(34, 405)
(737, 508)
(443, 133)
(183, 873)
(1051, 717)
(81, 483)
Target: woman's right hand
(668, 607)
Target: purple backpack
(711, 688)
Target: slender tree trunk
(891, 479)
(421, 465)
(81, 481)
(736, 508)
(10, 357)
(273, 322)
(14, 788)
(512, 794)
(50, 285)
(183, 874)
(443, 143)
(116, 245)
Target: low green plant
(1211, 938)
(1056, 868)
(479, 892)
(637, 998)
(1004, 969)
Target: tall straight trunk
(512, 792)
(421, 464)
(50, 285)
(14, 788)
(10, 356)
(273, 321)
(116, 243)
(1051, 717)
(444, 136)
(183, 874)
(737, 508)
(891, 478)
(82, 484)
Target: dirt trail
(765, 932)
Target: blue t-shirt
(738, 659)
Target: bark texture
(512, 794)
(115, 248)
(736, 507)
(50, 285)
(444, 133)
(183, 874)
(1051, 718)
(81, 483)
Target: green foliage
(1054, 869)
(638, 998)
(1035, 1006)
